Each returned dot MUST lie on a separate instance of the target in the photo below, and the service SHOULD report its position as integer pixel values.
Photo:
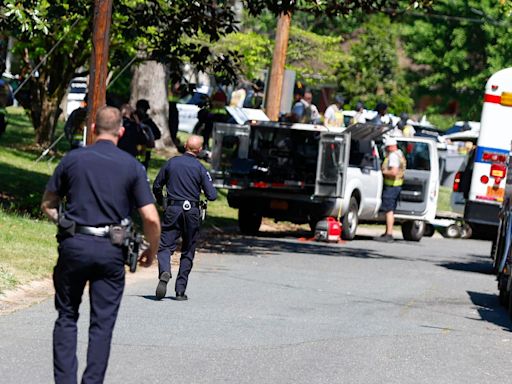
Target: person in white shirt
(315, 115)
(333, 116)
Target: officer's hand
(146, 258)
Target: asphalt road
(279, 310)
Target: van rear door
(418, 199)
(230, 163)
(332, 164)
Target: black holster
(65, 228)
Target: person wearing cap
(393, 169)
(333, 116)
(405, 126)
(359, 116)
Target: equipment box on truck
(303, 173)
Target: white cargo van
(303, 173)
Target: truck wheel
(429, 230)
(509, 304)
(249, 221)
(466, 231)
(350, 220)
(413, 230)
(452, 231)
(502, 287)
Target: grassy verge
(443, 201)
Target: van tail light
(456, 182)
(498, 171)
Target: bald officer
(183, 177)
(100, 184)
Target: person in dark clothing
(100, 184)
(142, 117)
(6, 100)
(183, 178)
(74, 127)
(215, 112)
(133, 141)
(174, 122)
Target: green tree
(138, 25)
(313, 57)
(458, 45)
(372, 72)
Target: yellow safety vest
(398, 180)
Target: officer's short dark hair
(108, 120)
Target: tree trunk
(149, 82)
(49, 115)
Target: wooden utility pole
(99, 61)
(275, 84)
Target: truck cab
(303, 173)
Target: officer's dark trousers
(85, 258)
(176, 223)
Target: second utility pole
(275, 84)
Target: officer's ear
(93, 129)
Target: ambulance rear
(487, 187)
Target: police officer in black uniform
(183, 177)
(100, 184)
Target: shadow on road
(490, 309)
(274, 243)
(484, 266)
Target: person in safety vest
(393, 169)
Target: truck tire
(466, 231)
(413, 230)
(429, 230)
(451, 232)
(350, 220)
(502, 287)
(249, 221)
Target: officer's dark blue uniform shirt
(184, 177)
(101, 184)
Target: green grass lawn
(28, 249)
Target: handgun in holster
(65, 227)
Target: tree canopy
(459, 44)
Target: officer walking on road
(183, 177)
(100, 184)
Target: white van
(487, 188)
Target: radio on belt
(328, 229)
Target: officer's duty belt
(93, 231)
(180, 203)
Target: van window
(416, 154)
